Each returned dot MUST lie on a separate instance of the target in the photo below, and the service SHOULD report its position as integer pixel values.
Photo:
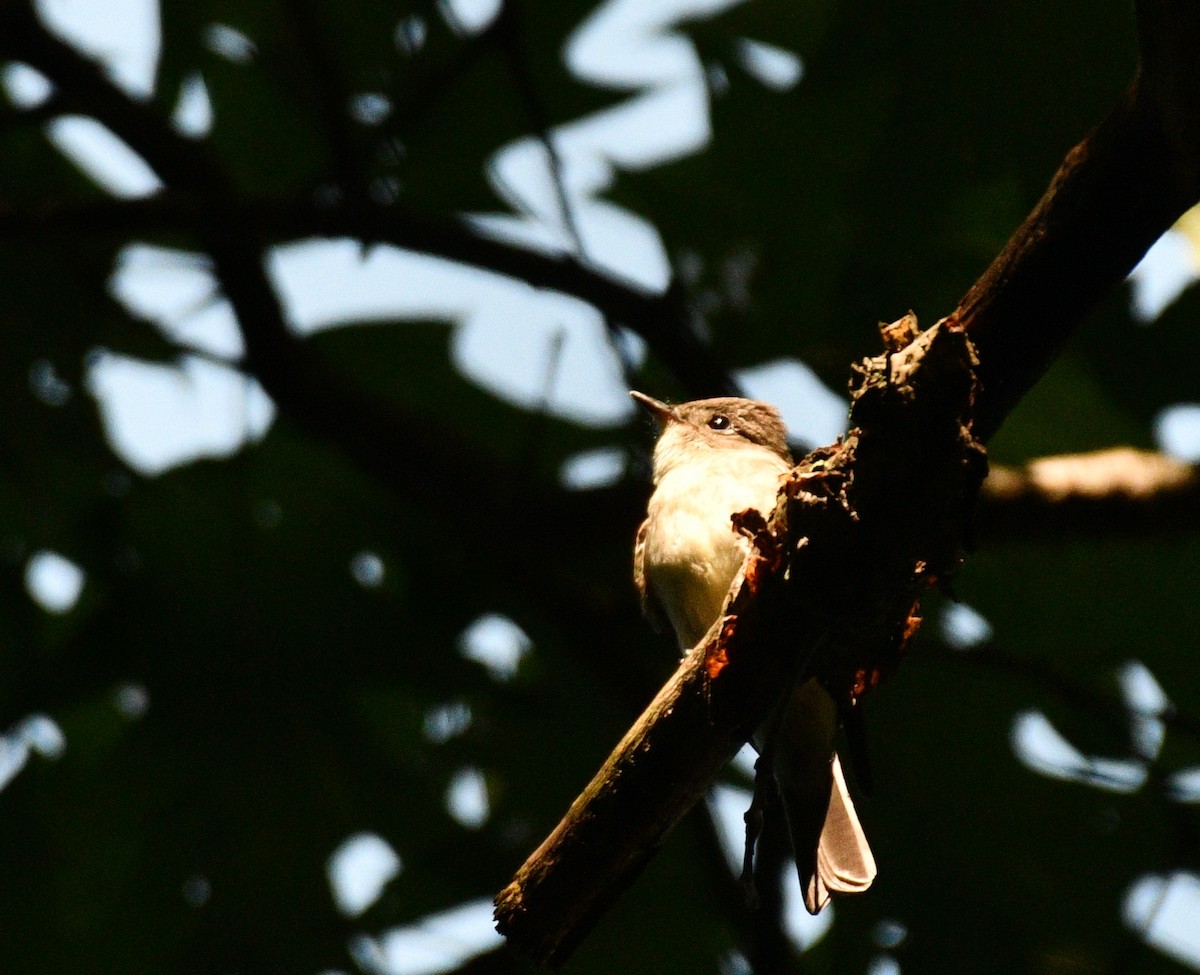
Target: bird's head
(724, 423)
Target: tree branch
(659, 318)
(200, 191)
(1115, 194)
(1117, 491)
(1105, 707)
(864, 526)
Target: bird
(712, 459)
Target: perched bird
(713, 458)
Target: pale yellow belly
(693, 551)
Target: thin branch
(331, 101)
(1107, 492)
(508, 25)
(656, 317)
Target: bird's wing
(651, 608)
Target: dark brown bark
(1115, 193)
(861, 529)
(1113, 196)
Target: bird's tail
(832, 853)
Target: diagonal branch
(859, 530)
(1114, 195)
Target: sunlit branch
(866, 528)
(1107, 492)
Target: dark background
(287, 701)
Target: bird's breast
(692, 552)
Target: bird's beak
(656, 408)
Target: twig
(508, 26)
(1103, 705)
(330, 96)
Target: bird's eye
(719, 422)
